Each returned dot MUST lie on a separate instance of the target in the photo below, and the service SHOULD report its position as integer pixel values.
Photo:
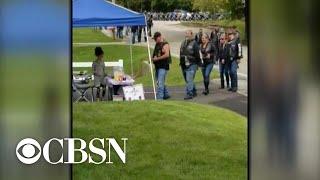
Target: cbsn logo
(29, 147)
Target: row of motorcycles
(184, 16)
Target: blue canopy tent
(93, 13)
(90, 13)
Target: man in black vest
(189, 61)
(161, 59)
(238, 40)
(233, 59)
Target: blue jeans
(190, 73)
(162, 91)
(206, 71)
(233, 68)
(224, 71)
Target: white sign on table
(132, 93)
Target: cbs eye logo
(28, 151)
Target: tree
(156, 5)
(212, 6)
(234, 7)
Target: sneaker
(230, 89)
(234, 89)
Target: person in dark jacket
(161, 59)
(208, 52)
(198, 36)
(223, 62)
(238, 40)
(149, 25)
(189, 62)
(236, 34)
(234, 60)
(120, 32)
(144, 34)
(214, 37)
(134, 30)
(140, 33)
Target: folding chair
(82, 92)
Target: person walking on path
(208, 52)
(189, 62)
(223, 62)
(234, 60)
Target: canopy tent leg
(131, 61)
(150, 63)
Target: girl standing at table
(98, 70)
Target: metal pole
(131, 56)
(150, 62)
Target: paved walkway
(219, 97)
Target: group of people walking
(200, 51)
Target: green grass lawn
(140, 54)
(240, 24)
(166, 140)
(88, 35)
